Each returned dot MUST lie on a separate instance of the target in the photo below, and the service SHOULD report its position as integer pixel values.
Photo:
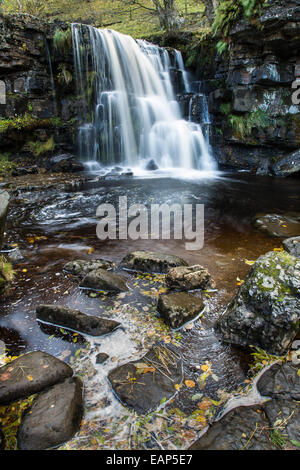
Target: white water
(129, 111)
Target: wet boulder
(178, 308)
(104, 281)
(235, 431)
(189, 278)
(75, 320)
(266, 310)
(287, 165)
(31, 374)
(143, 384)
(151, 165)
(65, 163)
(81, 267)
(53, 418)
(281, 381)
(292, 246)
(277, 225)
(152, 262)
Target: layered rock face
(38, 105)
(253, 99)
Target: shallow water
(54, 226)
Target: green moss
(27, 122)
(39, 148)
(243, 125)
(225, 108)
(6, 166)
(62, 40)
(230, 11)
(6, 270)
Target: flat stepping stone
(292, 246)
(104, 281)
(81, 267)
(143, 384)
(178, 308)
(189, 278)
(75, 320)
(235, 431)
(280, 381)
(151, 262)
(31, 374)
(53, 418)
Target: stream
(55, 223)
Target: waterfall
(129, 112)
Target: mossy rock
(266, 310)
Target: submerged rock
(31, 374)
(178, 308)
(152, 262)
(266, 310)
(189, 278)
(143, 384)
(81, 267)
(54, 417)
(281, 226)
(104, 280)
(235, 431)
(75, 320)
(292, 246)
(281, 381)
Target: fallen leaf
(190, 383)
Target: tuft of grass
(6, 270)
(243, 125)
(62, 40)
(262, 359)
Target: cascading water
(129, 110)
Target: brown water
(64, 219)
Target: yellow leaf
(24, 270)
(91, 250)
(298, 372)
(177, 387)
(190, 383)
(205, 367)
(204, 405)
(30, 378)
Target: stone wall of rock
(256, 123)
(38, 113)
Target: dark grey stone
(31, 374)
(54, 417)
(178, 308)
(81, 268)
(101, 357)
(287, 165)
(281, 381)
(279, 225)
(189, 278)
(148, 261)
(292, 246)
(101, 279)
(288, 412)
(75, 320)
(141, 390)
(236, 431)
